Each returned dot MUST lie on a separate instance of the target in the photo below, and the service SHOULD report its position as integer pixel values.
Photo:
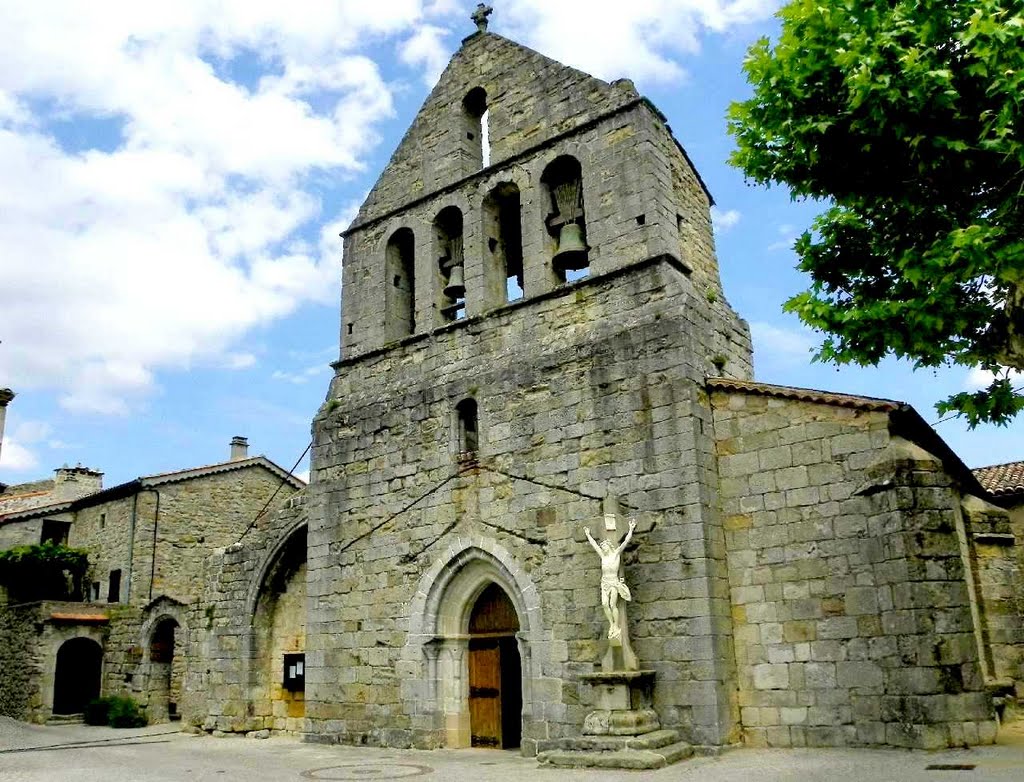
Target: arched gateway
(475, 629)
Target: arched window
(566, 223)
(476, 138)
(450, 264)
(400, 289)
(468, 428)
(503, 237)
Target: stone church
(535, 344)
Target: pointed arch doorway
(495, 671)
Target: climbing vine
(47, 571)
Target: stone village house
(147, 541)
(534, 335)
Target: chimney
(239, 448)
(6, 395)
(78, 481)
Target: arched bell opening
(503, 240)
(76, 678)
(166, 671)
(400, 287)
(451, 264)
(566, 223)
(279, 640)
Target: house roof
(1002, 479)
(149, 481)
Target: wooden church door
(495, 687)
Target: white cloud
(979, 378)
(301, 376)
(724, 220)
(15, 456)
(180, 217)
(643, 39)
(426, 49)
(779, 345)
(17, 451)
(788, 236)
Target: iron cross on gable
(480, 16)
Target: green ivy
(47, 571)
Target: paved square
(78, 753)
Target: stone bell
(456, 287)
(571, 252)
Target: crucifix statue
(479, 16)
(613, 590)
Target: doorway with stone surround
(473, 627)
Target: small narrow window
(103, 520)
(469, 428)
(114, 587)
(349, 328)
(95, 592)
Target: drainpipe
(131, 548)
(152, 558)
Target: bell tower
(531, 304)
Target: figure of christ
(612, 586)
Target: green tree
(905, 118)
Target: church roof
(805, 394)
(1002, 479)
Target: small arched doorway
(76, 679)
(166, 670)
(495, 671)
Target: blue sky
(172, 182)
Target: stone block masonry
(852, 614)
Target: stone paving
(31, 753)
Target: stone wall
(223, 681)
(852, 615)
(21, 660)
(109, 531)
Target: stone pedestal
(624, 704)
(623, 731)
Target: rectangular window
(294, 679)
(55, 531)
(95, 590)
(103, 520)
(114, 589)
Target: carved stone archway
(438, 639)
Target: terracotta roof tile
(1002, 479)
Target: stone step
(66, 719)
(652, 740)
(620, 758)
